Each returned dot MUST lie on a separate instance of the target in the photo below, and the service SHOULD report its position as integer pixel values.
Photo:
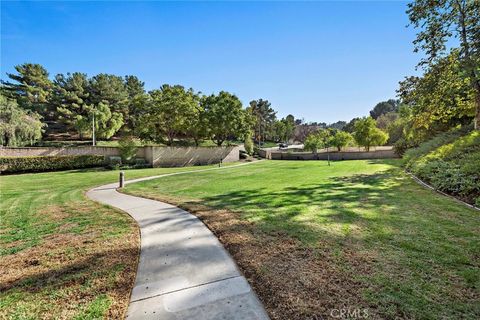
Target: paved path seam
(184, 272)
(195, 286)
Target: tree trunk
(475, 79)
(170, 137)
(476, 121)
(6, 139)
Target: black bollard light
(121, 180)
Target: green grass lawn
(61, 255)
(356, 234)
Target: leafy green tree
(248, 144)
(384, 120)
(18, 126)
(350, 126)
(396, 130)
(442, 21)
(438, 100)
(339, 125)
(198, 127)
(384, 107)
(279, 130)
(170, 114)
(134, 86)
(341, 139)
(289, 122)
(367, 134)
(136, 92)
(128, 149)
(312, 143)
(69, 97)
(80, 103)
(226, 117)
(107, 123)
(31, 87)
(140, 106)
(264, 116)
(109, 90)
(320, 139)
(284, 129)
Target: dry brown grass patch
(66, 271)
(292, 280)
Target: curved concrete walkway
(184, 272)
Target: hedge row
(49, 163)
(450, 163)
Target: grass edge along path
(398, 251)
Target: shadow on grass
(79, 271)
(339, 200)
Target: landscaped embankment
(450, 163)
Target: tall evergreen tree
(70, 97)
(135, 89)
(109, 89)
(31, 87)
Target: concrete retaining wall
(334, 155)
(51, 151)
(155, 156)
(179, 157)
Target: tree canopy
(18, 126)
(439, 22)
(31, 87)
(367, 134)
(384, 107)
(226, 117)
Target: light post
(94, 142)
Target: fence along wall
(155, 156)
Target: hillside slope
(450, 162)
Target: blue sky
(322, 61)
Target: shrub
(436, 142)
(128, 149)
(450, 162)
(400, 147)
(49, 163)
(248, 145)
(140, 163)
(114, 162)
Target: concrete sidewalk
(184, 272)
